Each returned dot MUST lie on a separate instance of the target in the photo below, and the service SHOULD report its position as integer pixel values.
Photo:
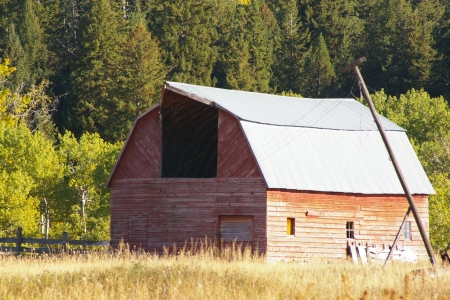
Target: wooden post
(64, 239)
(19, 240)
(412, 205)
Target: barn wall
(235, 159)
(322, 234)
(142, 156)
(165, 211)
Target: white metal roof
(337, 114)
(329, 145)
(334, 161)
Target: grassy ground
(208, 275)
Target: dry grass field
(208, 274)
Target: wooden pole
(412, 205)
(64, 239)
(397, 237)
(19, 240)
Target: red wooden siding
(137, 234)
(320, 223)
(235, 159)
(142, 156)
(179, 210)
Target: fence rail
(19, 240)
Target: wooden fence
(62, 243)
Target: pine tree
(32, 38)
(9, 11)
(234, 52)
(261, 47)
(401, 52)
(95, 73)
(440, 77)
(290, 56)
(340, 25)
(140, 77)
(16, 54)
(186, 31)
(319, 74)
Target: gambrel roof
(325, 145)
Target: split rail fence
(59, 245)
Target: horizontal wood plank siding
(181, 210)
(235, 158)
(320, 223)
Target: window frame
(350, 229)
(407, 232)
(290, 226)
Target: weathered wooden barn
(294, 178)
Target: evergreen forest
(74, 74)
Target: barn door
(137, 232)
(236, 228)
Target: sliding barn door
(236, 228)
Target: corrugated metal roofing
(334, 161)
(337, 114)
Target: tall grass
(207, 273)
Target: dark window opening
(190, 138)
(350, 229)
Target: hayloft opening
(190, 138)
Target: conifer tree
(234, 52)
(440, 78)
(401, 52)
(16, 54)
(32, 38)
(290, 56)
(339, 23)
(186, 31)
(95, 73)
(319, 73)
(260, 46)
(140, 77)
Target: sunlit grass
(208, 273)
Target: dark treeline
(106, 60)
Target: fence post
(64, 238)
(19, 240)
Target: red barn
(293, 177)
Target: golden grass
(208, 274)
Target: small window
(407, 231)
(350, 229)
(290, 226)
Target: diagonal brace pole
(412, 205)
(397, 237)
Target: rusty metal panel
(334, 160)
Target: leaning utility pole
(412, 205)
